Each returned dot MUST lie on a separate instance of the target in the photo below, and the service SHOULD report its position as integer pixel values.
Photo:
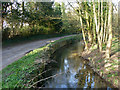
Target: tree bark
(105, 29)
(101, 21)
(1, 23)
(1, 18)
(97, 26)
(12, 29)
(81, 22)
(22, 14)
(94, 32)
(88, 25)
(83, 32)
(109, 42)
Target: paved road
(13, 53)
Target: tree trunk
(1, 24)
(97, 26)
(1, 18)
(86, 46)
(81, 22)
(83, 32)
(94, 33)
(22, 14)
(101, 21)
(105, 29)
(98, 33)
(109, 42)
(90, 36)
(12, 29)
(88, 24)
(104, 32)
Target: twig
(45, 79)
(37, 76)
(32, 70)
(26, 73)
(37, 87)
(49, 61)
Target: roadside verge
(14, 75)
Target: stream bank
(108, 71)
(72, 71)
(20, 72)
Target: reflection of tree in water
(87, 78)
(76, 72)
(100, 83)
(83, 75)
(59, 57)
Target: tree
(96, 20)
(23, 10)
(97, 23)
(57, 9)
(109, 42)
(88, 22)
(63, 10)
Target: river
(72, 70)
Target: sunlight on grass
(18, 69)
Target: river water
(72, 70)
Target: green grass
(116, 81)
(15, 71)
(113, 68)
(30, 38)
(111, 72)
(94, 47)
(102, 71)
(109, 75)
(100, 60)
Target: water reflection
(76, 73)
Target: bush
(24, 31)
(6, 33)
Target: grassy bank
(108, 70)
(16, 73)
(19, 40)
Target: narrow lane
(11, 54)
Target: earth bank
(21, 72)
(109, 70)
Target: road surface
(13, 53)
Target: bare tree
(109, 42)
(97, 23)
